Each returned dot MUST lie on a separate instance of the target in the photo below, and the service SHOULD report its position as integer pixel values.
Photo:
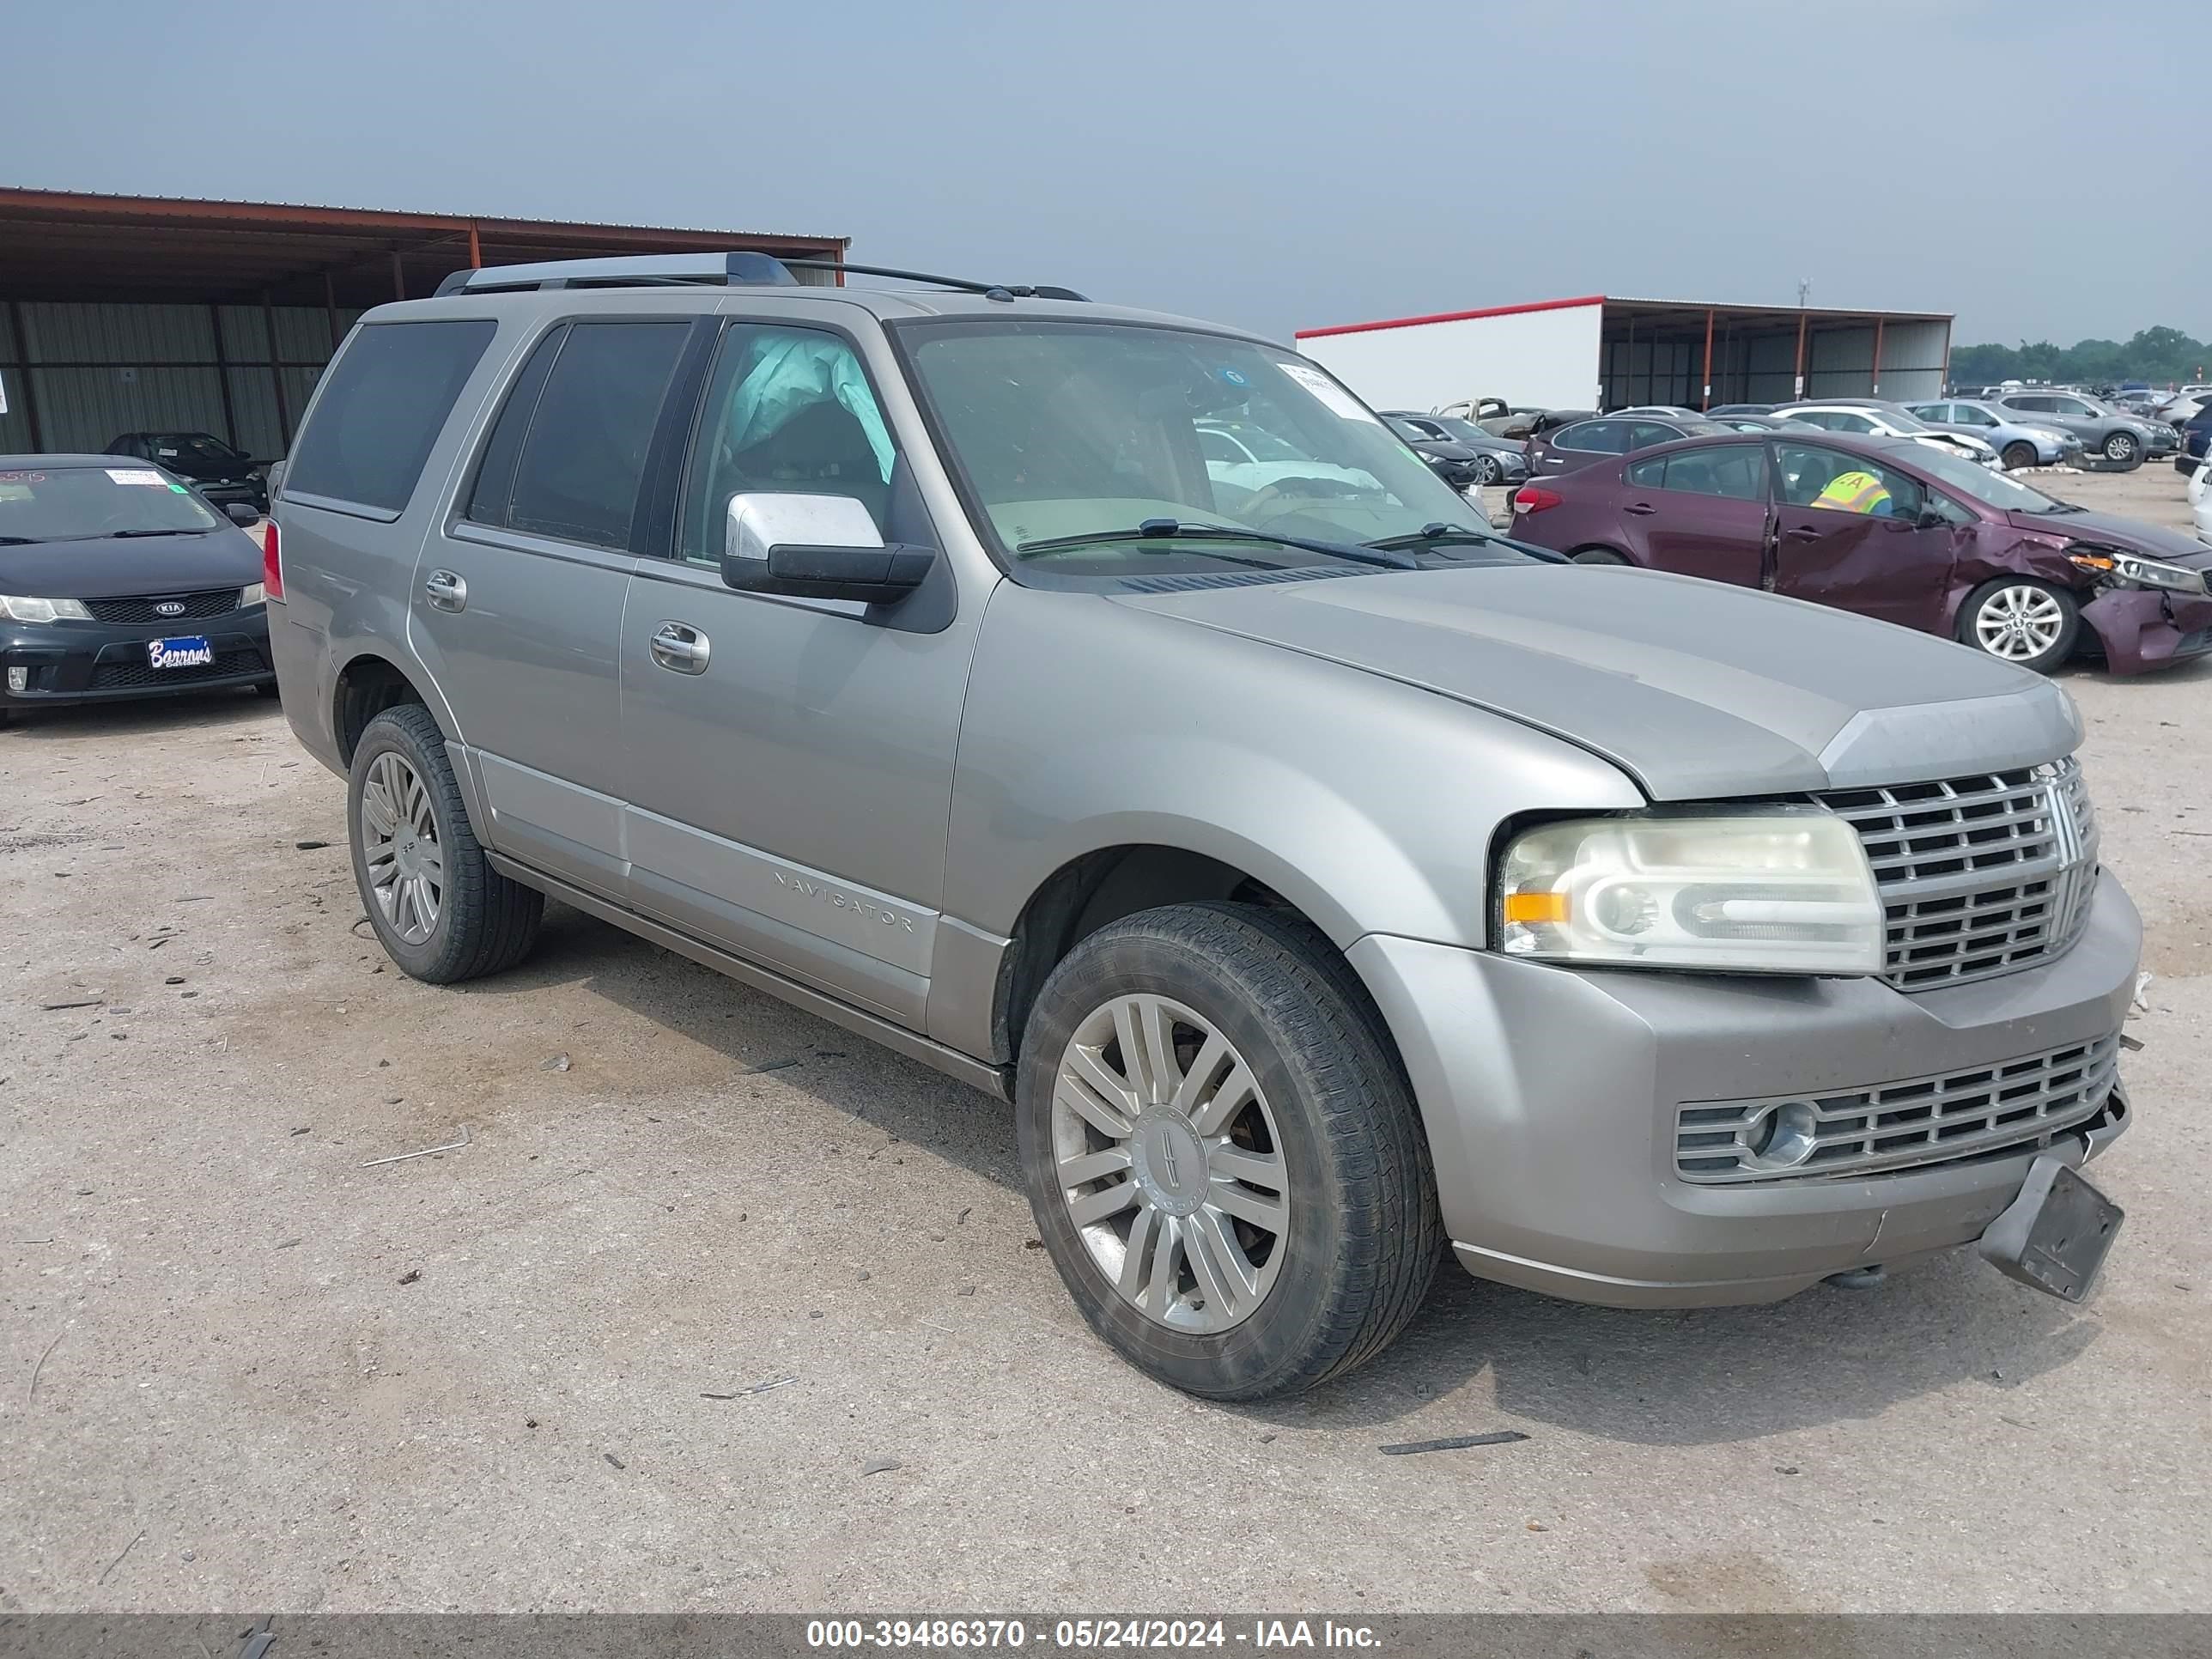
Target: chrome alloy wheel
(1170, 1165)
(399, 844)
(2018, 623)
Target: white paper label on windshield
(1333, 397)
(138, 475)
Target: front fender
(1370, 804)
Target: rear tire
(2029, 623)
(1255, 1173)
(2121, 450)
(2018, 454)
(1597, 555)
(442, 913)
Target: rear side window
(1607, 437)
(568, 452)
(387, 398)
(1737, 471)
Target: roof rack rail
(624, 271)
(961, 284)
(709, 270)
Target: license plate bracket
(185, 651)
(2054, 1237)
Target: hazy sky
(1282, 165)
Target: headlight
(2140, 572)
(1776, 890)
(251, 595)
(44, 611)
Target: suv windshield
(80, 503)
(1065, 432)
(197, 445)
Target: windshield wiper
(1433, 535)
(18, 541)
(126, 535)
(1184, 531)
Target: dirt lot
(239, 1370)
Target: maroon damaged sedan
(1891, 529)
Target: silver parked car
(1321, 878)
(2018, 440)
(2123, 439)
(1874, 418)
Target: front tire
(2029, 624)
(1487, 471)
(438, 908)
(1597, 555)
(2121, 450)
(1222, 1154)
(2017, 455)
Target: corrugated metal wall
(92, 372)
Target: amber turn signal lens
(1536, 907)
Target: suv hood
(1695, 690)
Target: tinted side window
(1643, 434)
(1606, 437)
(1737, 471)
(787, 410)
(387, 398)
(583, 456)
(494, 489)
(1648, 475)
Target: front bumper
(2141, 629)
(1550, 1095)
(65, 663)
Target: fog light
(19, 679)
(1782, 1136)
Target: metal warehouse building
(1604, 353)
(145, 313)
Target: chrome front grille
(1979, 875)
(2006, 1108)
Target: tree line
(2160, 356)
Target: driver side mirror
(241, 514)
(816, 547)
(1931, 518)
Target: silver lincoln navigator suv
(1320, 877)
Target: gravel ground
(237, 1369)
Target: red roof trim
(1452, 317)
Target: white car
(1871, 419)
(2200, 502)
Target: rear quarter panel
(350, 572)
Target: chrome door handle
(1639, 508)
(446, 591)
(680, 647)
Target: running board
(992, 1079)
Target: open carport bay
(237, 1369)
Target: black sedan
(118, 581)
(203, 460)
(1497, 460)
(1454, 463)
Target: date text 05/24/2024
(1088, 1635)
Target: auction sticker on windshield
(1332, 396)
(192, 652)
(138, 475)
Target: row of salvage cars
(1898, 525)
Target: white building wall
(1547, 358)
